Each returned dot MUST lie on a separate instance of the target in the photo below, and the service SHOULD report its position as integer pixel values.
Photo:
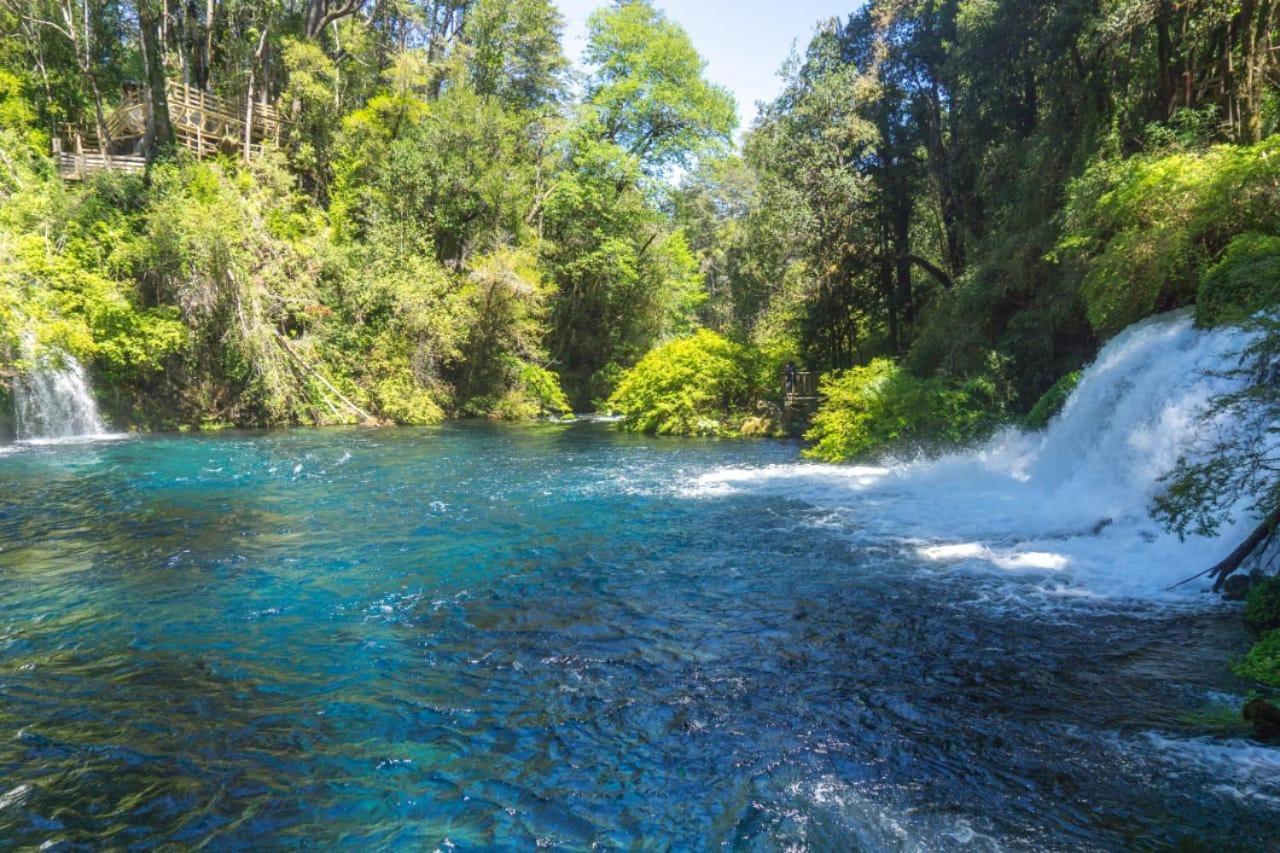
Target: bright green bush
(1245, 281)
(1262, 663)
(1052, 401)
(695, 385)
(1262, 606)
(881, 405)
(1146, 228)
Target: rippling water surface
(482, 636)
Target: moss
(1262, 663)
(1245, 281)
(1052, 401)
(1262, 606)
(1217, 719)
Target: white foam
(1245, 771)
(1071, 501)
(54, 401)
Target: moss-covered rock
(1245, 281)
(1052, 401)
(1264, 716)
(1262, 605)
(8, 429)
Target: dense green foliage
(441, 231)
(1052, 401)
(1147, 229)
(1262, 606)
(1262, 663)
(1245, 281)
(882, 405)
(696, 385)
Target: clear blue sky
(744, 41)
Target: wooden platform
(203, 123)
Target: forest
(949, 208)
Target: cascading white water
(1068, 505)
(53, 401)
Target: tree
(515, 52)
(647, 88)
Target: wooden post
(200, 128)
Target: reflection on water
(506, 636)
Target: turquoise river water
(475, 636)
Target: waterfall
(1068, 506)
(53, 401)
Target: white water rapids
(1067, 507)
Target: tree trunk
(159, 127)
(1164, 52)
(248, 95)
(320, 13)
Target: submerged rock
(1236, 587)
(1264, 717)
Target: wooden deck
(203, 123)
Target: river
(487, 636)
(479, 636)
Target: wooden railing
(78, 163)
(202, 123)
(206, 123)
(803, 387)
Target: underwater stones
(1264, 717)
(1236, 587)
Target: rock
(757, 427)
(1265, 718)
(1236, 587)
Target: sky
(744, 42)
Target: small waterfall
(1071, 502)
(53, 401)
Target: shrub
(1146, 228)
(536, 393)
(688, 386)
(881, 405)
(1245, 281)
(1262, 607)
(1053, 400)
(1262, 663)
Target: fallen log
(311, 371)
(1261, 534)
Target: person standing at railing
(789, 378)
